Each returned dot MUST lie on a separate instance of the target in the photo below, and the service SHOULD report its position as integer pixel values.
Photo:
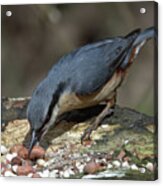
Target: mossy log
(126, 129)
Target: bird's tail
(137, 44)
(145, 35)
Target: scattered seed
(30, 175)
(134, 167)
(109, 166)
(126, 165)
(66, 174)
(41, 162)
(15, 168)
(104, 126)
(142, 170)
(116, 163)
(126, 142)
(16, 161)
(150, 166)
(45, 173)
(3, 150)
(9, 174)
(9, 157)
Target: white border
(32, 182)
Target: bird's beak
(33, 142)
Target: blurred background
(36, 36)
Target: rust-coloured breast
(70, 101)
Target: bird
(83, 78)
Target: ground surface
(124, 147)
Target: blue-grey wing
(94, 67)
(88, 68)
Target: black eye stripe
(55, 98)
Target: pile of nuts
(18, 162)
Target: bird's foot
(86, 139)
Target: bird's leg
(108, 110)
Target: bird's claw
(86, 139)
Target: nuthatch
(83, 78)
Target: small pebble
(116, 163)
(9, 157)
(3, 150)
(142, 170)
(15, 168)
(150, 166)
(134, 167)
(9, 174)
(126, 165)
